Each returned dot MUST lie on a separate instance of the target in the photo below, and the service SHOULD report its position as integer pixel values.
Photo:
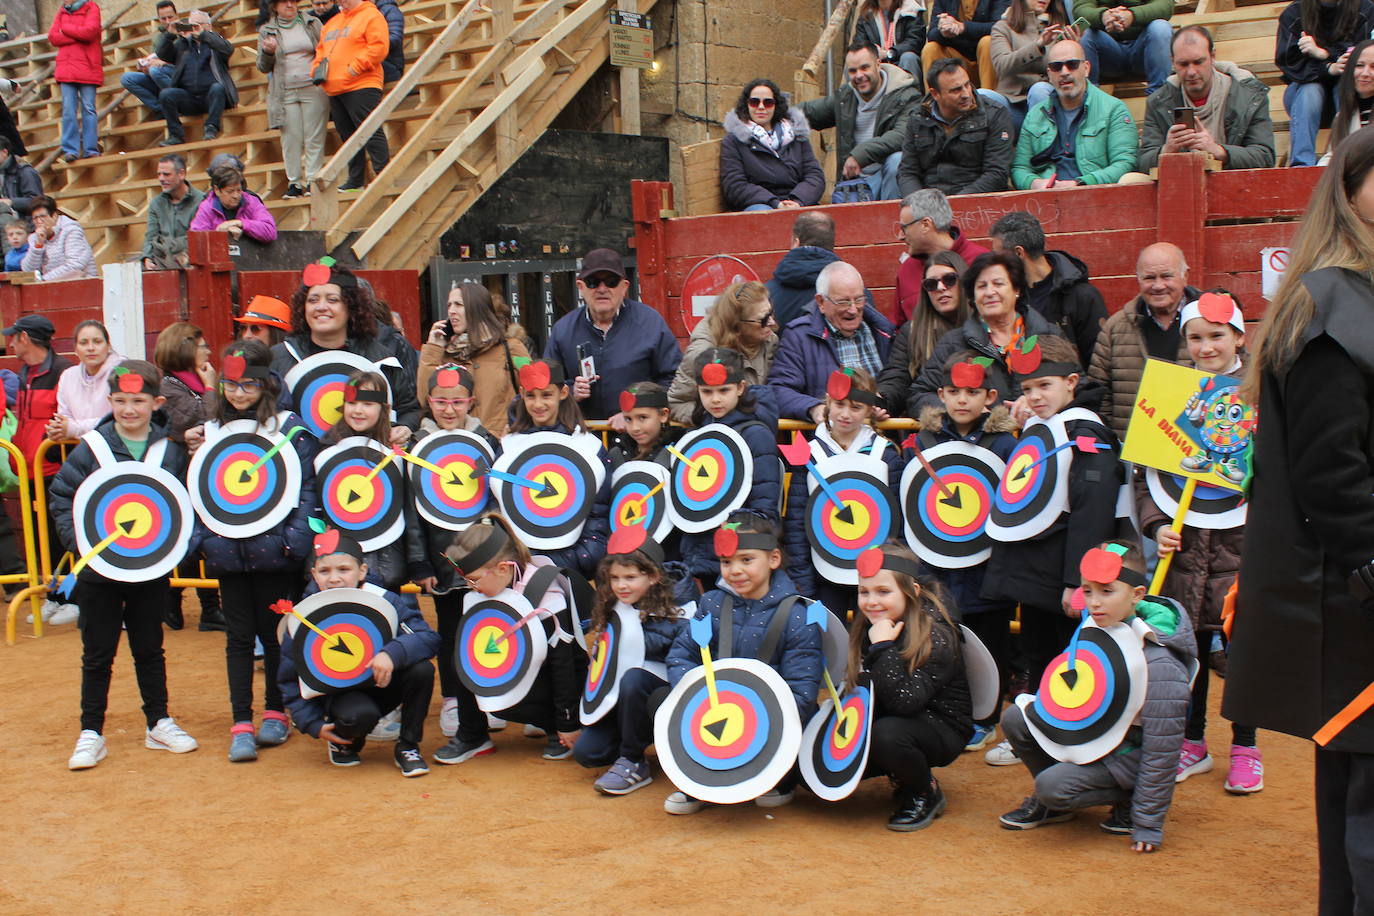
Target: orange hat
(267, 310)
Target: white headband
(1194, 310)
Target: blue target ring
(1097, 708)
(143, 494)
(646, 512)
(840, 763)
(267, 492)
(513, 664)
(1011, 503)
(874, 500)
(925, 500)
(572, 494)
(313, 647)
(755, 714)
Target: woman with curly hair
(766, 162)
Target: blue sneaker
(624, 776)
(274, 731)
(982, 734)
(243, 747)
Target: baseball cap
(601, 261)
(39, 329)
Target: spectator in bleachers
(1354, 95)
(1017, 48)
(355, 43)
(1312, 49)
(16, 244)
(962, 29)
(1230, 109)
(1147, 326)
(842, 331)
(395, 62)
(1128, 40)
(201, 82)
(793, 285)
(1080, 135)
(956, 140)
(477, 336)
(169, 216)
(154, 72)
(228, 208)
(295, 105)
(1057, 282)
(741, 319)
(8, 129)
(926, 223)
(324, 10)
(766, 160)
(941, 309)
(19, 183)
(58, 249)
(897, 28)
(869, 114)
(80, 70)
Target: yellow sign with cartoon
(1191, 424)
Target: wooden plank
(1247, 192)
(701, 178)
(629, 87)
(506, 124)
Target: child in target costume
(136, 427)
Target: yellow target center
(1082, 690)
(489, 638)
(233, 478)
(331, 405)
(134, 520)
(357, 493)
(851, 530)
(1014, 479)
(698, 482)
(598, 663)
(960, 509)
(555, 496)
(343, 653)
(723, 725)
(462, 491)
(846, 727)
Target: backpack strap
(292, 350)
(157, 452)
(725, 644)
(578, 596)
(769, 647)
(95, 441)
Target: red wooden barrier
(1221, 220)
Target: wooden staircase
(483, 81)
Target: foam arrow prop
(1086, 444)
(247, 475)
(545, 489)
(430, 466)
(818, 613)
(701, 635)
(798, 452)
(355, 495)
(952, 498)
(639, 503)
(494, 642)
(834, 694)
(69, 580)
(335, 641)
(1185, 500)
(1070, 674)
(697, 466)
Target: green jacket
(840, 110)
(1107, 141)
(1249, 131)
(1145, 12)
(166, 219)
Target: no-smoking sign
(1273, 262)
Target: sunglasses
(598, 282)
(762, 321)
(756, 102)
(1072, 64)
(931, 283)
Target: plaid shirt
(857, 352)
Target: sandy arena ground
(151, 832)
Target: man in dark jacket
(956, 140)
(395, 62)
(19, 181)
(1059, 287)
(154, 72)
(841, 331)
(201, 83)
(869, 114)
(626, 340)
(1230, 109)
(793, 285)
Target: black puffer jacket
(973, 158)
(751, 173)
(937, 691)
(1072, 303)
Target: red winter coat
(77, 39)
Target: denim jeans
(147, 86)
(177, 101)
(1305, 104)
(77, 140)
(1146, 56)
(883, 181)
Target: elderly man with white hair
(841, 331)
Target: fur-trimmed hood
(738, 129)
(998, 420)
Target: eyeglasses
(1073, 63)
(450, 403)
(899, 228)
(756, 102)
(245, 385)
(598, 282)
(849, 303)
(473, 580)
(931, 283)
(762, 321)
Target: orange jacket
(356, 43)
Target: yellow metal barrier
(33, 590)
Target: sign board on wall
(1273, 262)
(632, 40)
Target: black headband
(365, 396)
(874, 559)
(729, 541)
(1046, 369)
(483, 553)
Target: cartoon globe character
(1225, 424)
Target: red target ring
(934, 494)
(319, 646)
(747, 719)
(118, 507)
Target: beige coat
(682, 396)
(1017, 57)
(273, 67)
(1119, 361)
(490, 374)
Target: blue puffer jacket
(437, 539)
(823, 445)
(414, 642)
(286, 547)
(806, 357)
(759, 429)
(659, 635)
(591, 546)
(994, 434)
(799, 659)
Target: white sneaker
(90, 750)
(682, 803)
(534, 731)
(49, 608)
(65, 613)
(166, 735)
(494, 724)
(774, 798)
(448, 717)
(1002, 756)
(388, 727)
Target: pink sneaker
(1247, 771)
(1192, 760)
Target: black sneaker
(459, 751)
(345, 755)
(410, 762)
(1119, 822)
(210, 133)
(554, 750)
(171, 141)
(292, 191)
(1032, 814)
(917, 812)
